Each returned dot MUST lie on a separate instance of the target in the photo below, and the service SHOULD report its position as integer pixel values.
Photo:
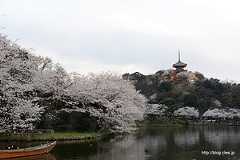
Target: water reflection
(220, 137)
(189, 138)
(159, 143)
(156, 144)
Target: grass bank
(58, 136)
(163, 123)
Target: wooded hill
(186, 88)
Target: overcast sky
(129, 35)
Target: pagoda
(179, 66)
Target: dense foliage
(18, 109)
(34, 92)
(186, 89)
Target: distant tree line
(188, 89)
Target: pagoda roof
(179, 64)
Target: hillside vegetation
(186, 89)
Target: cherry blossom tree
(30, 86)
(122, 103)
(187, 112)
(223, 113)
(155, 111)
(17, 109)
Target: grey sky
(129, 35)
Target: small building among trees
(179, 66)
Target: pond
(152, 143)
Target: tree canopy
(35, 92)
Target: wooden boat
(48, 156)
(31, 151)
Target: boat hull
(27, 152)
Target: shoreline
(57, 136)
(83, 137)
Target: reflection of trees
(159, 143)
(132, 148)
(155, 143)
(186, 138)
(127, 148)
(174, 144)
(221, 137)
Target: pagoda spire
(179, 66)
(179, 56)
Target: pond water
(199, 143)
